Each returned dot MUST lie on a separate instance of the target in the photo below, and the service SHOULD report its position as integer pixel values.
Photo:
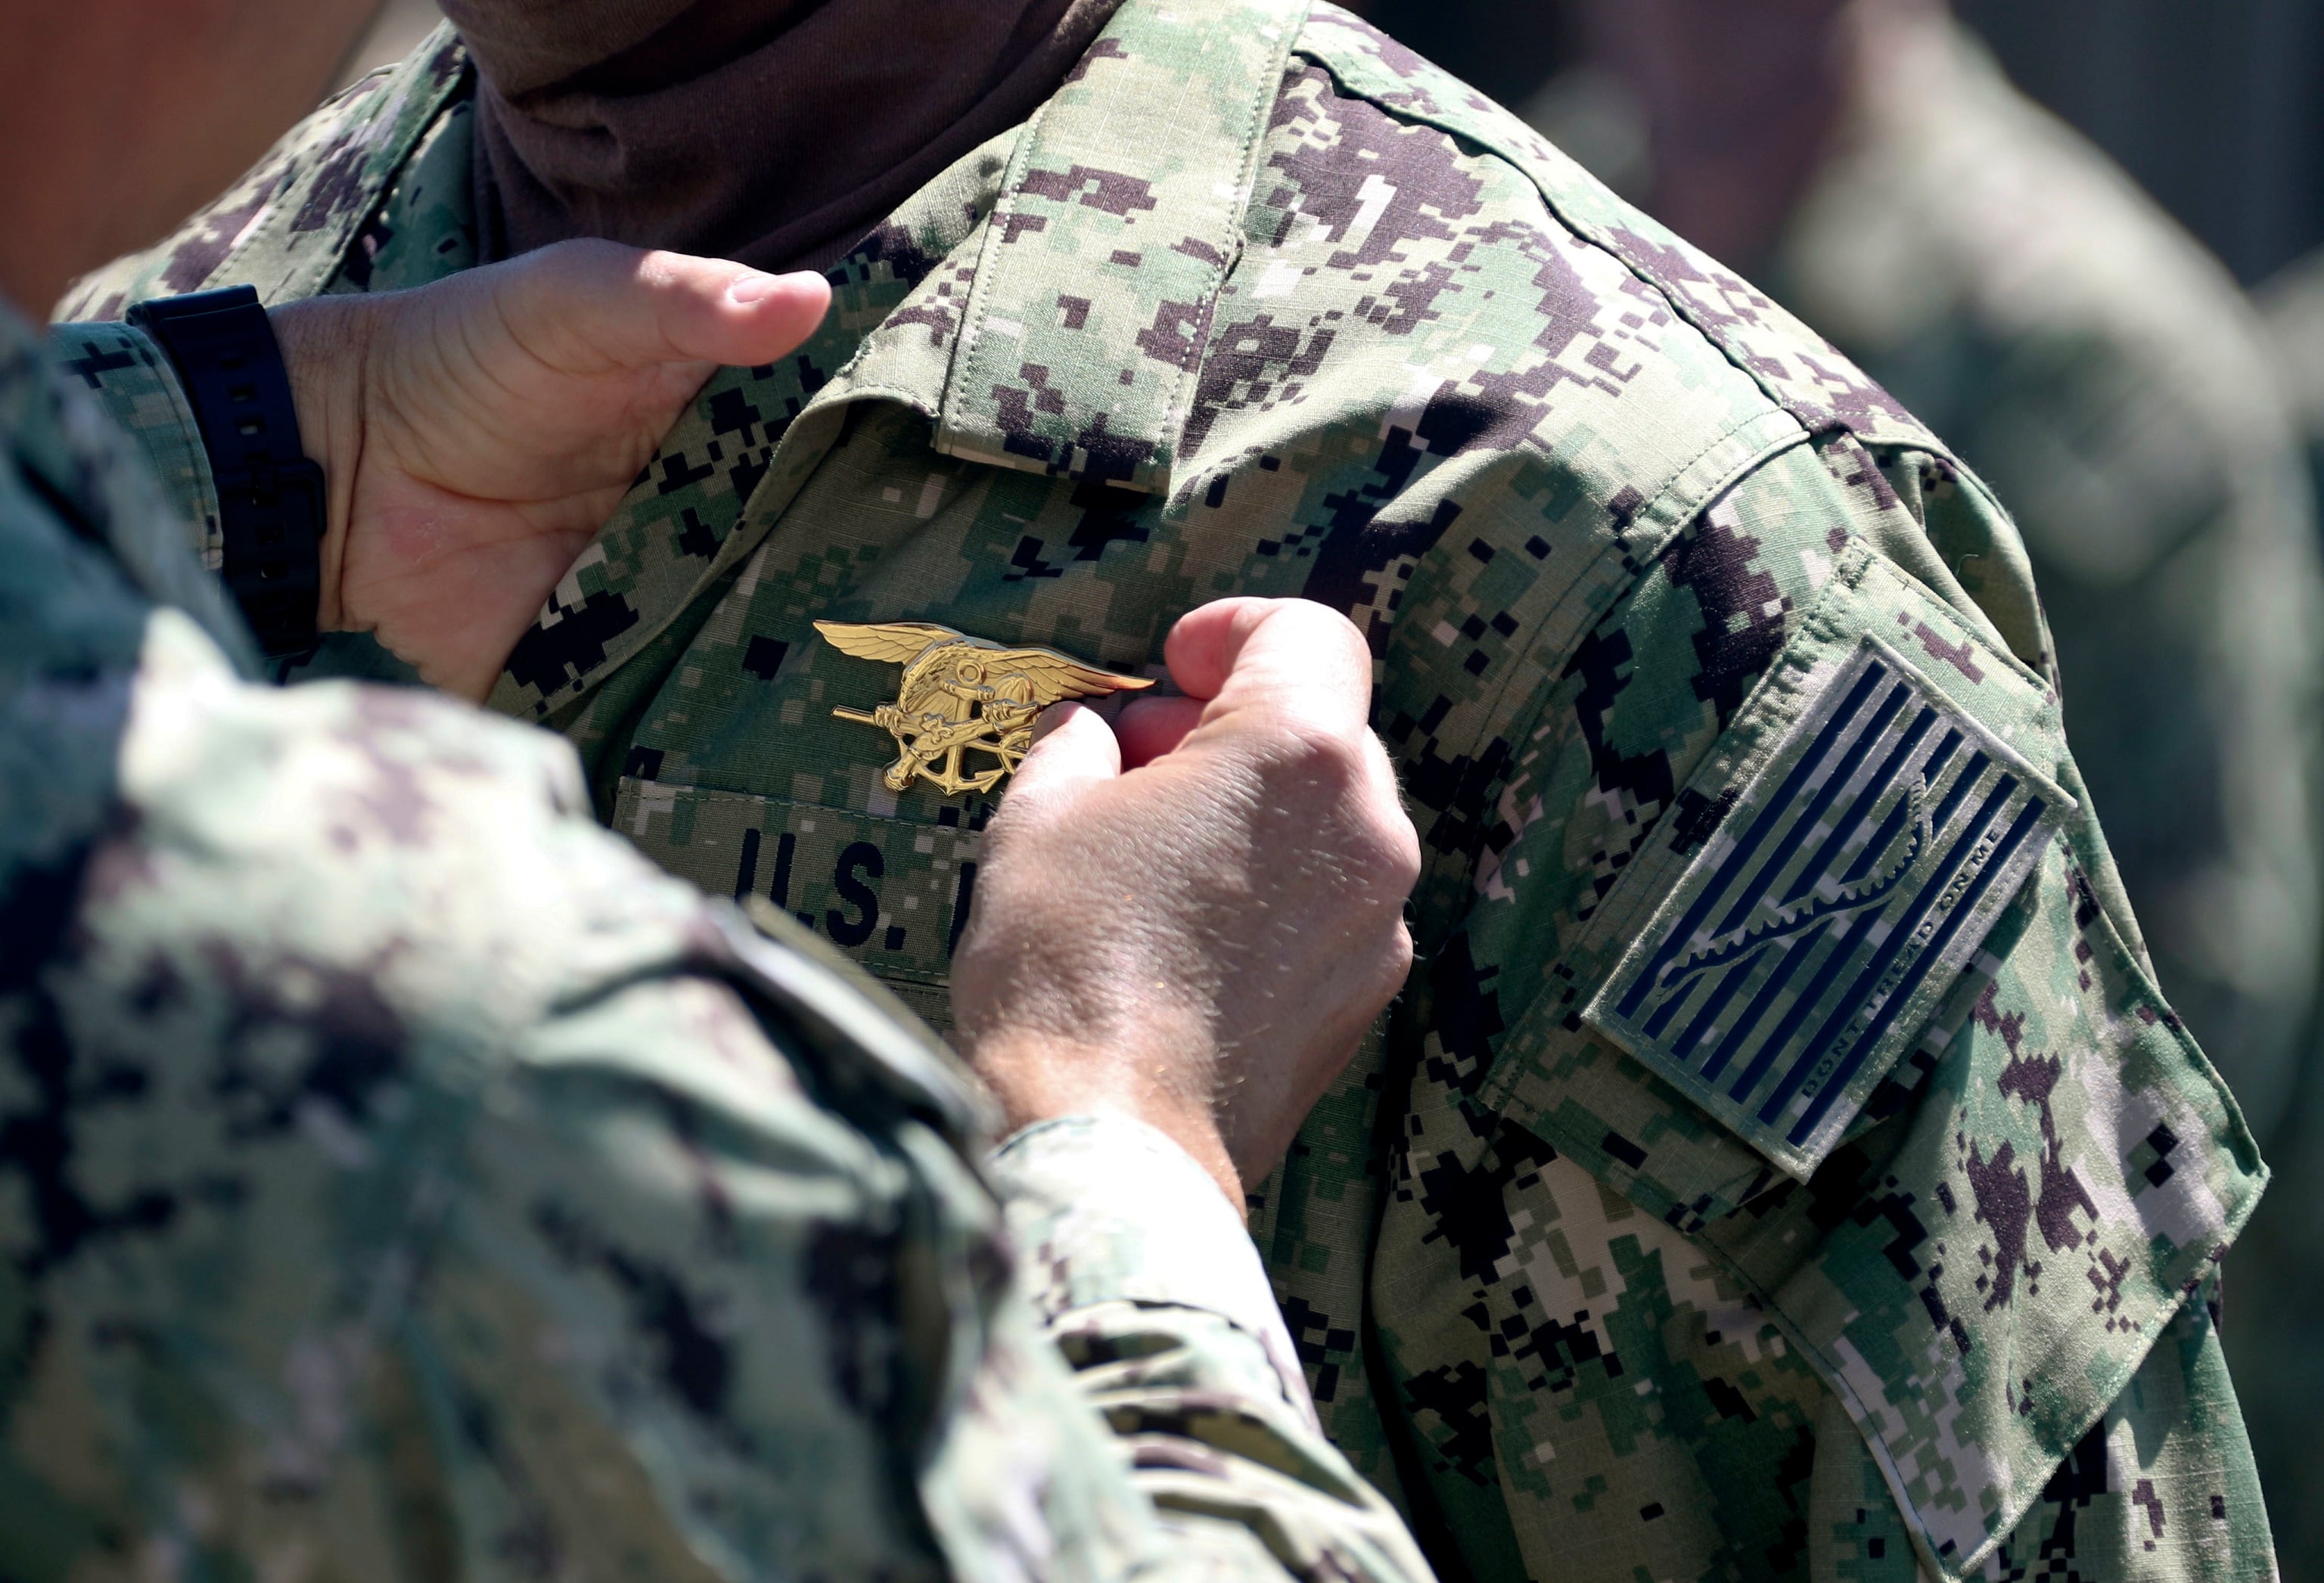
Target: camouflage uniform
(1783, 1166)
(2107, 379)
(400, 1178)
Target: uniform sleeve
(1802, 937)
(1143, 1276)
(477, 1196)
(126, 372)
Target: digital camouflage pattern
(1260, 303)
(401, 1178)
(2109, 381)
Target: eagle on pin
(964, 696)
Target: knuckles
(1296, 752)
(1397, 957)
(1333, 789)
(1349, 774)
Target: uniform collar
(1063, 285)
(309, 230)
(1075, 339)
(1097, 272)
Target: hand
(476, 434)
(1200, 939)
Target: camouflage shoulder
(2016, 1102)
(285, 226)
(1798, 369)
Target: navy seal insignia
(964, 713)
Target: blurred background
(402, 24)
(2081, 240)
(2214, 108)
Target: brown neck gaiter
(773, 132)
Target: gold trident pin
(963, 695)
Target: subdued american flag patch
(1844, 892)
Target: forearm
(1145, 1279)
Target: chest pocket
(892, 893)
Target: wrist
(326, 344)
(271, 494)
(1037, 1079)
(1106, 1211)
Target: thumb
(1074, 749)
(1276, 658)
(592, 307)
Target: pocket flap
(1856, 865)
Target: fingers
(1290, 658)
(723, 313)
(597, 308)
(1291, 678)
(1150, 727)
(1202, 648)
(1399, 837)
(1074, 749)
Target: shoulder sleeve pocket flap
(1854, 870)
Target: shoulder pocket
(1833, 868)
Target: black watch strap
(271, 500)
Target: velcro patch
(1848, 886)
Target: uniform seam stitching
(1865, 1418)
(1318, 55)
(1263, 102)
(1499, 710)
(465, 84)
